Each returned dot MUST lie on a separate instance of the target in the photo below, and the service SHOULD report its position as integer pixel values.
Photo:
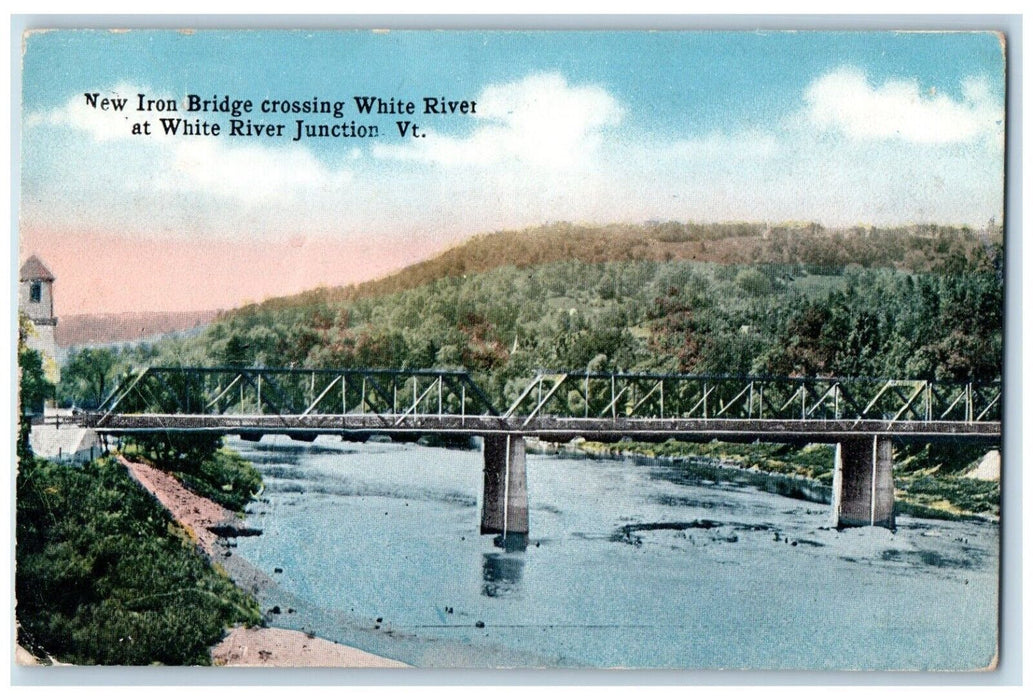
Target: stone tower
(36, 300)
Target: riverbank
(197, 515)
(922, 490)
(208, 524)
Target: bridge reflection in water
(501, 575)
(863, 417)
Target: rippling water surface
(378, 546)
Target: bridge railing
(655, 396)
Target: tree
(677, 332)
(236, 352)
(88, 377)
(804, 346)
(177, 451)
(33, 387)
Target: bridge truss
(600, 395)
(552, 405)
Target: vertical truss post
(613, 397)
(344, 394)
(749, 405)
(705, 392)
(439, 396)
(661, 399)
(586, 393)
(259, 393)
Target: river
(377, 545)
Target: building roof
(34, 269)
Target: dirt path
(193, 512)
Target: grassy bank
(928, 479)
(104, 576)
(211, 471)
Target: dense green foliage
(225, 477)
(87, 377)
(923, 302)
(103, 574)
(105, 577)
(33, 387)
(951, 494)
(173, 451)
(922, 248)
(196, 459)
(676, 316)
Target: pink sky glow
(106, 273)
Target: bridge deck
(557, 429)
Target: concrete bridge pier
(504, 510)
(862, 483)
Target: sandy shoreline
(275, 647)
(258, 646)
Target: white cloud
(249, 173)
(100, 123)
(203, 164)
(540, 121)
(845, 101)
(542, 149)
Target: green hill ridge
(918, 248)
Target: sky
(842, 128)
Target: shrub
(225, 477)
(105, 577)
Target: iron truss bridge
(557, 406)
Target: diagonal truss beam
(204, 391)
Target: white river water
(627, 565)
